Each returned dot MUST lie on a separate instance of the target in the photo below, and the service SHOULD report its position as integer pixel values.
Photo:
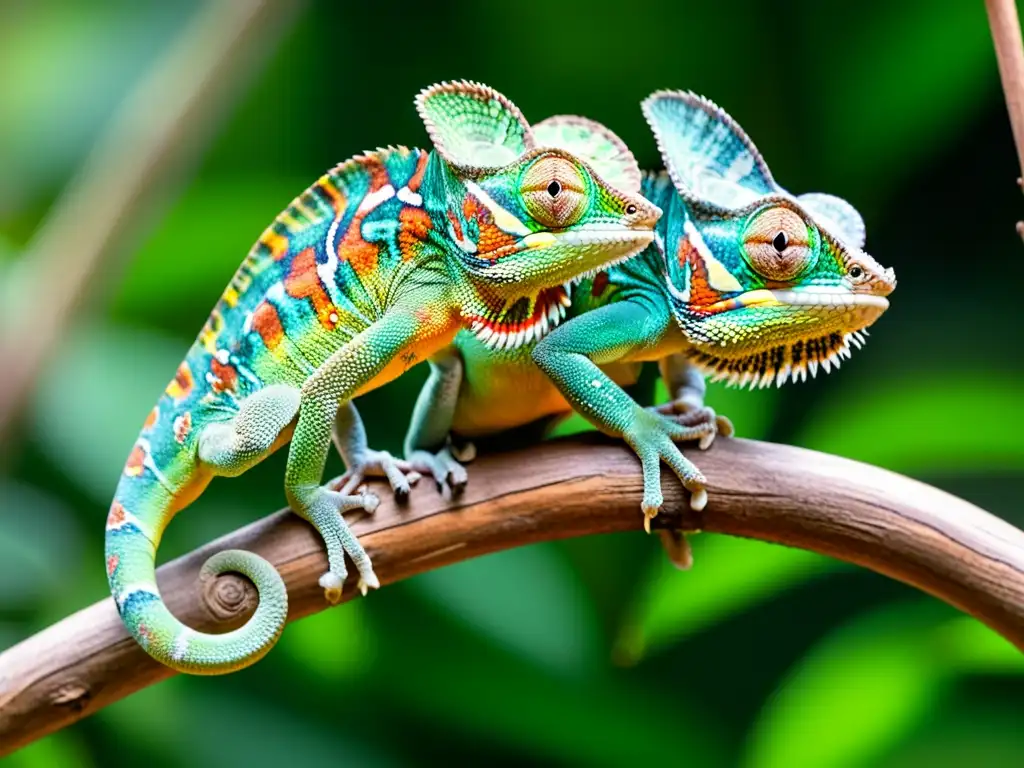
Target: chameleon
(744, 282)
(372, 269)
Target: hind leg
(229, 448)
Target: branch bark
(573, 487)
(1006, 36)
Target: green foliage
(590, 652)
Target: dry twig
(158, 132)
(572, 487)
(1002, 18)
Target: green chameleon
(372, 269)
(744, 282)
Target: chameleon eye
(554, 191)
(776, 244)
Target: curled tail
(143, 506)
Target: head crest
(717, 169)
(595, 143)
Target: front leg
(335, 382)
(570, 355)
(428, 448)
(686, 389)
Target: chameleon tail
(142, 507)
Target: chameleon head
(525, 214)
(767, 286)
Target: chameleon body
(372, 269)
(745, 282)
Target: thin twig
(1002, 18)
(571, 487)
(158, 133)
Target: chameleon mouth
(522, 320)
(780, 363)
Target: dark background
(587, 652)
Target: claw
(649, 514)
(677, 547)
(332, 585)
(367, 582)
(698, 500)
(706, 441)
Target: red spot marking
(456, 224)
(182, 426)
(423, 314)
(136, 461)
(417, 177)
(144, 632)
(116, 517)
(701, 292)
(151, 419)
(267, 323)
(600, 284)
(303, 282)
(359, 253)
(414, 226)
(225, 377)
(470, 209)
(112, 562)
(182, 384)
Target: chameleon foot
(447, 472)
(653, 437)
(688, 413)
(400, 474)
(322, 508)
(677, 547)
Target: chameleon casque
(372, 269)
(745, 282)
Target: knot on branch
(229, 597)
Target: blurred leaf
(192, 254)
(729, 575)
(75, 62)
(916, 79)
(971, 731)
(92, 400)
(61, 749)
(969, 646)
(40, 545)
(856, 694)
(336, 644)
(225, 729)
(526, 600)
(916, 425)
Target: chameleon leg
(332, 385)
(570, 355)
(229, 448)
(361, 461)
(427, 447)
(687, 388)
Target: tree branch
(1005, 26)
(573, 487)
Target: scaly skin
(369, 271)
(714, 295)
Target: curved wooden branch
(562, 488)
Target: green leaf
(914, 425)
(855, 695)
(90, 404)
(178, 271)
(969, 646)
(335, 645)
(526, 600)
(40, 544)
(730, 575)
(58, 749)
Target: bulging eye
(856, 273)
(776, 244)
(554, 192)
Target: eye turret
(554, 192)
(776, 244)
